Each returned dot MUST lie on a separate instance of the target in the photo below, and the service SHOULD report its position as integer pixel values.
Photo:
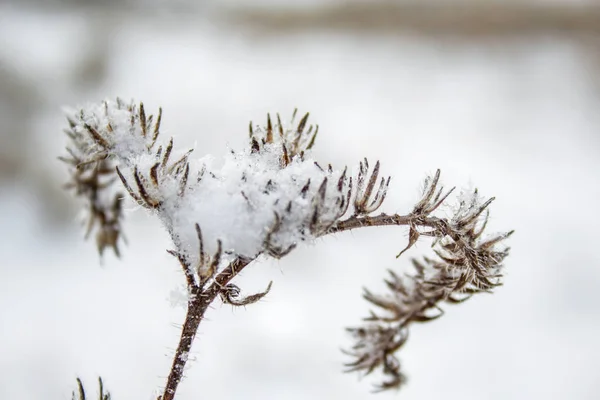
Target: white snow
(237, 199)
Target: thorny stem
(200, 300)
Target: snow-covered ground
(518, 119)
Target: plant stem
(199, 302)
(201, 299)
(362, 221)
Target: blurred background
(501, 95)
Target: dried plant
(281, 197)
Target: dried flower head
(465, 264)
(272, 189)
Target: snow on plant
(266, 199)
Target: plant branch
(200, 300)
(383, 219)
(465, 264)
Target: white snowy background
(516, 116)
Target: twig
(199, 302)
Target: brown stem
(356, 221)
(201, 299)
(199, 302)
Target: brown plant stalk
(199, 301)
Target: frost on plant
(222, 213)
(272, 189)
